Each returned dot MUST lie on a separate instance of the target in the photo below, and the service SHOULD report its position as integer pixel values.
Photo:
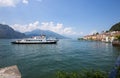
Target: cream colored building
(106, 37)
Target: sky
(72, 18)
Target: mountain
(115, 27)
(7, 32)
(48, 33)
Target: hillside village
(107, 36)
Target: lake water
(44, 60)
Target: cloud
(11, 3)
(58, 28)
(26, 27)
(25, 1)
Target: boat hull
(34, 42)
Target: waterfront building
(105, 36)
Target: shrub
(118, 37)
(83, 74)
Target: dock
(10, 72)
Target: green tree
(118, 37)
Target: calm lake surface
(44, 60)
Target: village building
(105, 36)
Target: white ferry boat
(37, 40)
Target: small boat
(37, 40)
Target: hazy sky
(66, 17)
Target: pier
(10, 72)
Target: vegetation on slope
(118, 37)
(115, 27)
